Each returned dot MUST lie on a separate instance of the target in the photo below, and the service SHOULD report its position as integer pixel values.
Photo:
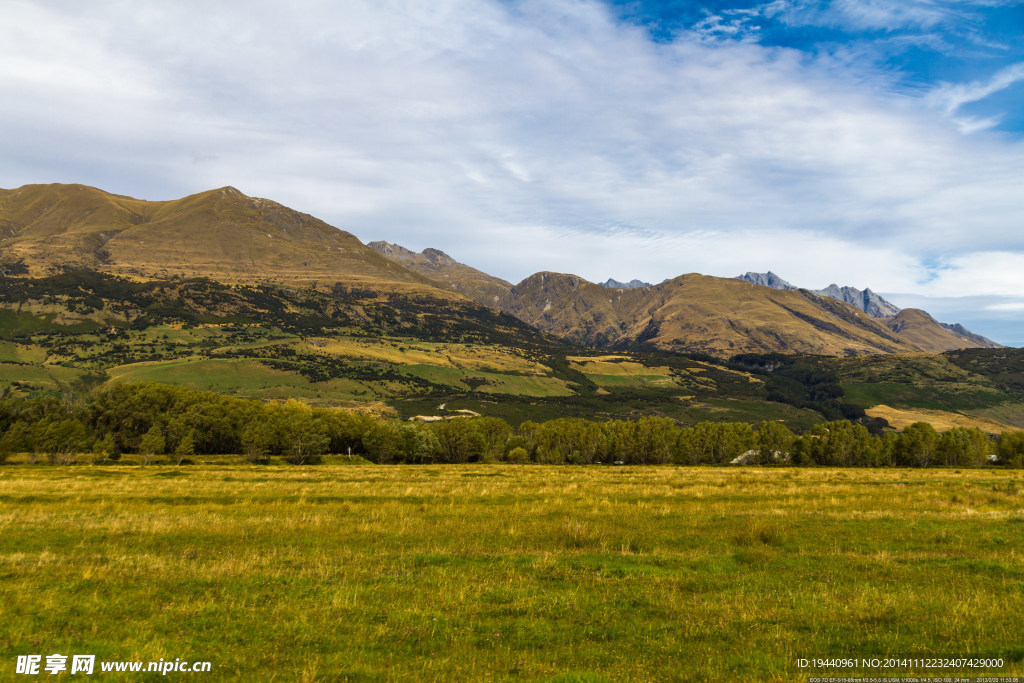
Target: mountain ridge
(227, 236)
(632, 284)
(439, 266)
(668, 316)
(222, 234)
(875, 306)
(865, 299)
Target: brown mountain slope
(723, 316)
(221, 234)
(439, 266)
(918, 327)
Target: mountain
(722, 316)
(920, 328)
(977, 340)
(916, 325)
(228, 237)
(865, 300)
(632, 284)
(220, 234)
(768, 279)
(448, 272)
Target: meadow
(504, 572)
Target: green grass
(48, 377)
(1010, 413)
(489, 382)
(244, 378)
(634, 382)
(509, 573)
(11, 352)
(921, 396)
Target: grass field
(508, 572)
(939, 419)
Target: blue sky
(872, 143)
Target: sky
(871, 143)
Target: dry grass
(941, 420)
(412, 352)
(509, 572)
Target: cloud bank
(529, 135)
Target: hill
(722, 316)
(442, 268)
(221, 234)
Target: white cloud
(872, 15)
(1011, 307)
(950, 97)
(992, 273)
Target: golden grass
(607, 367)
(510, 572)
(941, 420)
(412, 352)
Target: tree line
(153, 420)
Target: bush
(518, 455)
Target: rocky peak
(768, 279)
(437, 256)
(865, 300)
(632, 284)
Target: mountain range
(865, 299)
(696, 312)
(632, 284)
(231, 238)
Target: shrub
(518, 455)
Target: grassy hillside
(983, 385)
(350, 346)
(442, 268)
(220, 234)
(345, 347)
(721, 316)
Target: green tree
(103, 448)
(60, 439)
(527, 435)
(917, 445)
(654, 440)
(573, 441)
(303, 437)
(152, 444)
(838, 444)
(716, 442)
(257, 440)
(458, 441)
(518, 455)
(1010, 450)
(773, 442)
(962, 447)
(495, 433)
(17, 438)
(419, 443)
(186, 446)
(346, 431)
(383, 443)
